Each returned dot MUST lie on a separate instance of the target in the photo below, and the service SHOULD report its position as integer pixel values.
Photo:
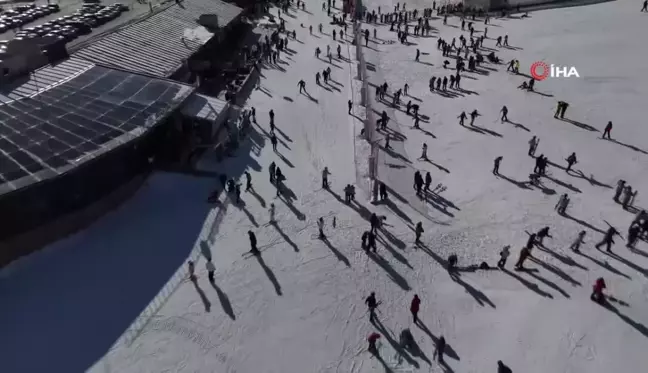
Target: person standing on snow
(350, 105)
(562, 204)
(462, 117)
(272, 212)
(533, 145)
(597, 291)
(302, 86)
(414, 308)
(504, 254)
(608, 129)
(320, 227)
(248, 181)
(373, 220)
(423, 152)
(440, 349)
(325, 175)
(619, 189)
(524, 254)
(253, 243)
(575, 246)
(571, 160)
(418, 231)
(542, 233)
(504, 112)
(608, 239)
(372, 304)
(496, 165)
(372, 339)
(210, 270)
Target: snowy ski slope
(116, 297)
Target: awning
(199, 106)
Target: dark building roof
(158, 45)
(65, 115)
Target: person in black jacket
(501, 368)
(253, 243)
(440, 349)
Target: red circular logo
(539, 70)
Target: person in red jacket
(414, 307)
(597, 290)
(372, 339)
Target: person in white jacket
(575, 246)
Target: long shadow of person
(201, 293)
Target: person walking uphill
(414, 308)
(608, 239)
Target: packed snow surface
(117, 297)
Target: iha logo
(541, 71)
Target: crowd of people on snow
(399, 19)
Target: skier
(440, 349)
(272, 170)
(562, 204)
(644, 8)
(633, 235)
(627, 197)
(619, 189)
(364, 237)
(542, 233)
(253, 243)
(533, 145)
(371, 242)
(302, 86)
(428, 181)
(473, 115)
(418, 54)
(571, 160)
(608, 129)
(372, 339)
(387, 139)
(325, 175)
(423, 152)
(414, 307)
(575, 246)
(608, 239)
(496, 165)
(524, 254)
(373, 220)
(506, 44)
(504, 112)
(462, 117)
(272, 212)
(418, 231)
(504, 254)
(501, 368)
(273, 141)
(382, 190)
(210, 270)
(320, 227)
(350, 105)
(597, 291)
(372, 304)
(237, 190)
(192, 270)
(248, 181)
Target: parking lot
(68, 7)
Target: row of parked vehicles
(71, 26)
(24, 14)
